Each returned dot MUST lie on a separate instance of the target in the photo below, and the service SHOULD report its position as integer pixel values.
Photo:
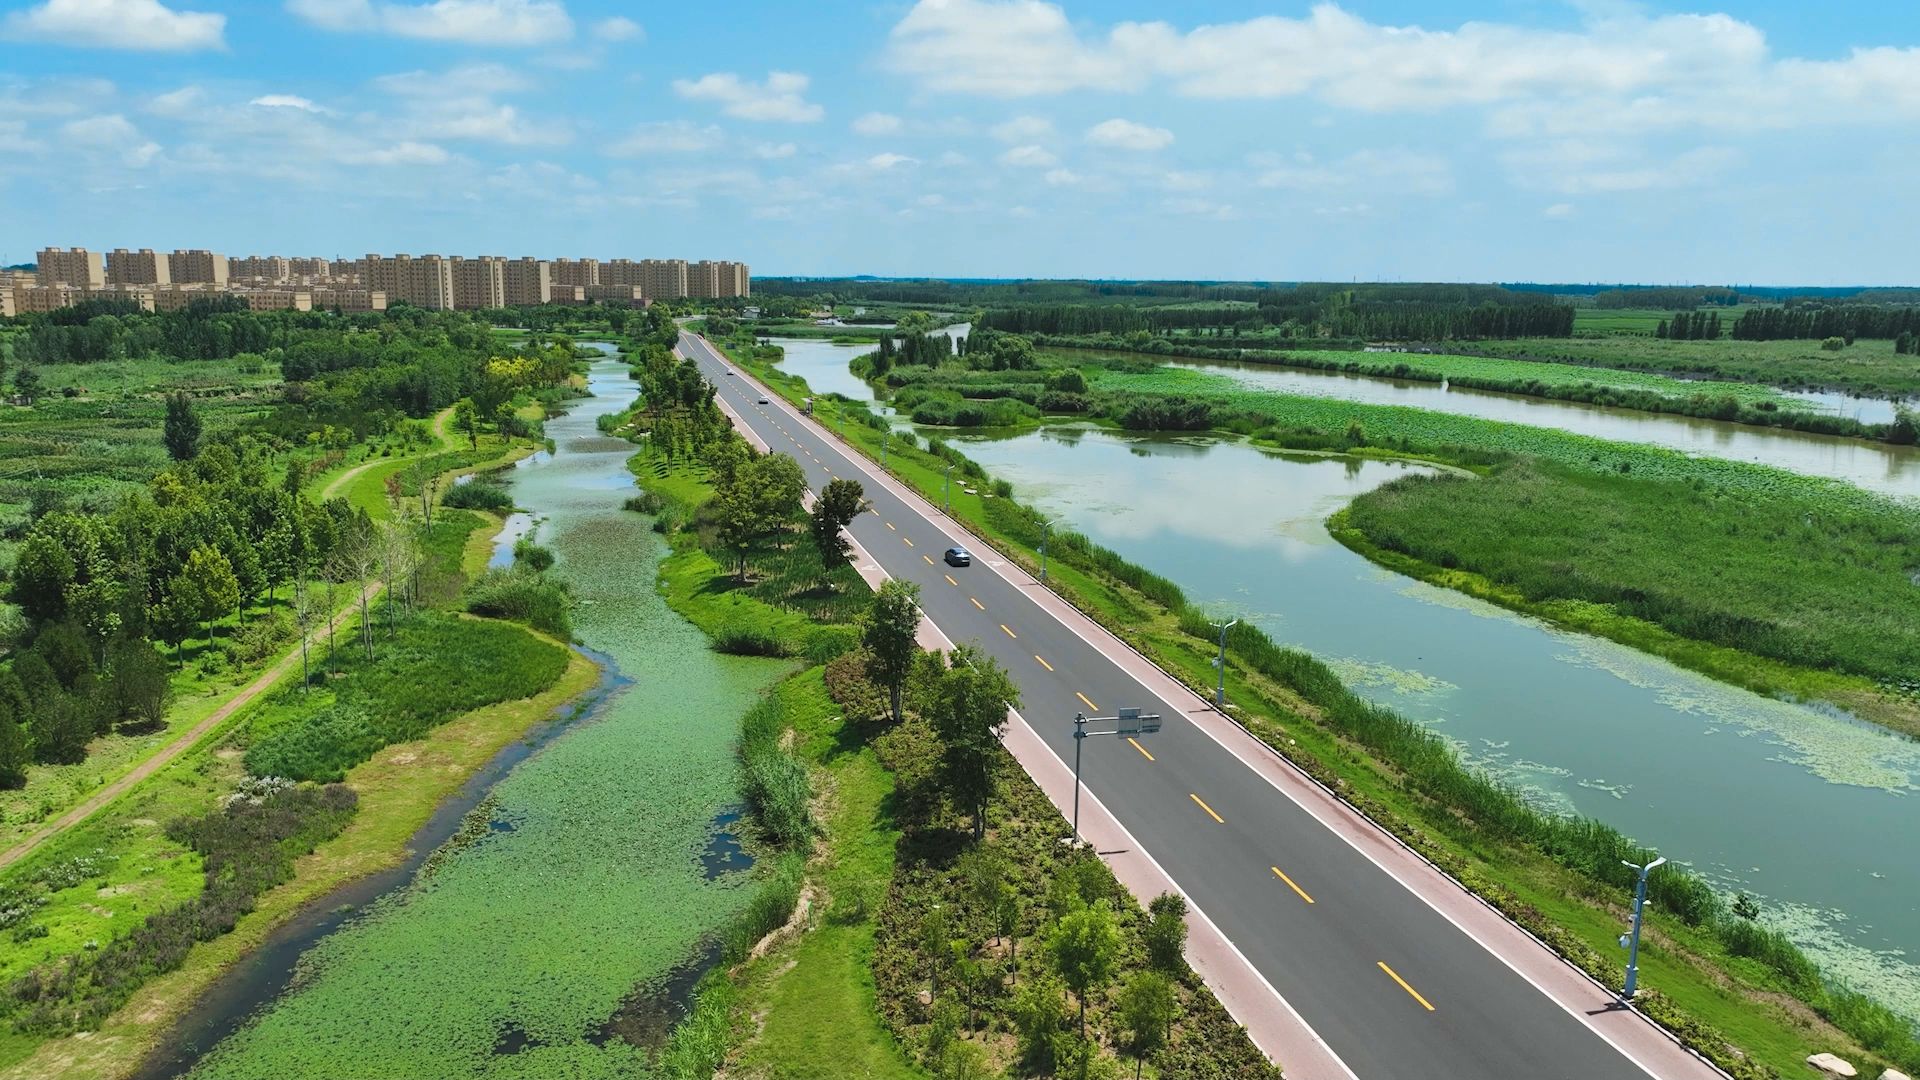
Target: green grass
(1642, 546)
(820, 1019)
(1865, 367)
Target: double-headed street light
(1631, 939)
(1126, 724)
(1046, 530)
(948, 477)
(1220, 662)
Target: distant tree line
(97, 330)
(1848, 322)
(1347, 313)
(1690, 326)
(1685, 297)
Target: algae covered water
(514, 953)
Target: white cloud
(1398, 171)
(117, 24)
(286, 101)
(1022, 129)
(176, 102)
(1588, 166)
(403, 153)
(1619, 68)
(462, 103)
(877, 123)
(782, 97)
(469, 22)
(111, 133)
(890, 160)
(618, 28)
(15, 140)
(1191, 207)
(1127, 135)
(1558, 210)
(1029, 157)
(1176, 180)
(666, 137)
(1062, 178)
(775, 151)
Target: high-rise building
(79, 268)
(529, 282)
(272, 269)
(143, 267)
(198, 266)
(309, 268)
(663, 279)
(479, 282)
(423, 281)
(703, 279)
(576, 271)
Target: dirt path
(339, 483)
(260, 685)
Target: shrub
(525, 596)
(320, 747)
(646, 502)
(532, 556)
(478, 494)
(739, 639)
(772, 780)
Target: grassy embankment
(1868, 368)
(1644, 391)
(819, 1004)
(1585, 532)
(1724, 984)
(88, 888)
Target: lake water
(1893, 470)
(1810, 810)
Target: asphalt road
(1395, 989)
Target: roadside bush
(247, 847)
(524, 596)
(478, 494)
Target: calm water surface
(1893, 470)
(1809, 809)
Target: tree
(1166, 932)
(1745, 907)
(182, 430)
(935, 943)
(890, 634)
(26, 383)
(1085, 945)
(41, 575)
(138, 682)
(1008, 909)
(1039, 1012)
(970, 714)
(207, 587)
(762, 496)
(1145, 1010)
(839, 503)
(16, 746)
(467, 421)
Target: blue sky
(1763, 142)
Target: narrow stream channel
(1808, 809)
(561, 936)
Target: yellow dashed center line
(1202, 804)
(890, 526)
(909, 542)
(949, 578)
(1043, 663)
(1086, 700)
(1282, 875)
(1395, 976)
(1009, 631)
(929, 559)
(1142, 749)
(978, 604)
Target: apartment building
(79, 268)
(576, 271)
(625, 295)
(529, 281)
(349, 301)
(347, 270)
(272, 269)
(663, 279)
(143, 267)
(479, 282)
(198, 266)
(309, 268)
(423, 281)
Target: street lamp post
(948, 491)
(1220, 690)
(1631, 939)
(886, 437)
(1046, 530)
(1126, 723)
